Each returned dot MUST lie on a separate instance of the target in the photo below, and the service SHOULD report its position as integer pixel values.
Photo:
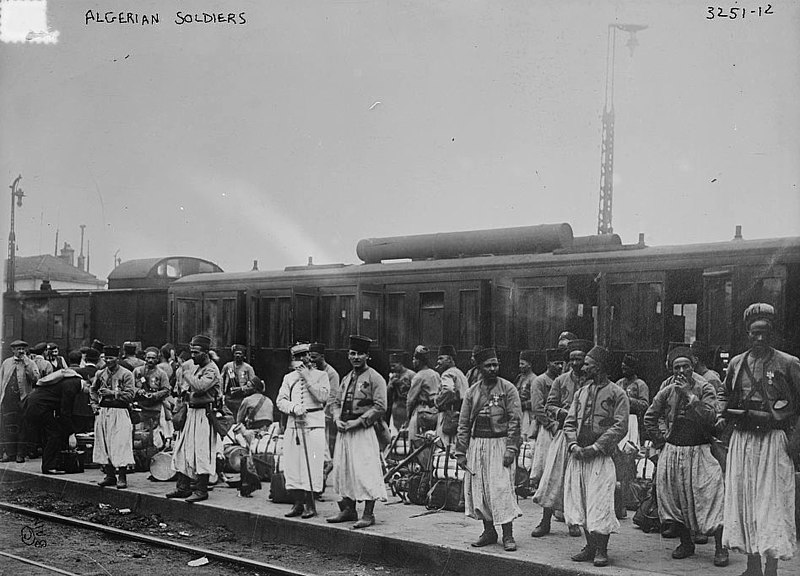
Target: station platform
(437, 543)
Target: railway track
(263, 568)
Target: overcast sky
(319, 123)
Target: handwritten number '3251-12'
(733, 13)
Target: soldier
(130, 360)
(316, 352)
(194, 456)
(639, 398)
(398, 387)
(256, 411)
(702, 355)
(473, 374)
(487, 448)
(237, 379)
(452, 391)
(82, 411)
(523, 384)
(357, 472)
(688, 477)
(18, 376)
(422, 394)
(48, 412)
(596, 422)
(302, 397)
(540, 389)
(760, 400)
(550, 493)
(112, 392)
(152, 390)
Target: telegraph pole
(18, 194)
(604, 212)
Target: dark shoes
(575, 530)
(509, 544)
(600, 558)
(296, 510)
(177, 493)
(543, 529)
(485, 539)
(671, 531)
(366, 521)
(721, 558)
(5, 458)
(20, 459)
(683, 551)
(347, 512)
(585, 555)
(108, 481)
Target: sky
(319, 123)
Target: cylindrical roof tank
(519, 240)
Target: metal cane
(305, 451)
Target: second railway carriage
(628, 297)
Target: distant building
(56, 272)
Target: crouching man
(486, 447)
(597, 420)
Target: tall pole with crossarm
(604, 214)
(16, 194)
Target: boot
(489, 535)
(770, 567)
(574, 530)
(368, 518)
(601, 553)
(588, 551)
(201, 492)
(720, 554)
(754, 566)
(310, 508)
(181, 487)
(670, 530)
(686, 547)
(509, 545)
(544, 526)
(122, 474)
(110, 479)
(297, 508)
(347, 512)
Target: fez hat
(600, 355)
(527, 356)
(39, 348)
(581, 345)
(92, 355)
(485, 354)
(19, 344)
(631, 361)
(554, 355)
(238, 348)
(299, 348)
(128, 346)
(201, 341)
(359, 343)
(317, 347)
(477, 348)
(111, 351)
(258, 384)
(152, 349)
(397, 357)
(758, 311)
(447, 350)
(421, 351)
(98, 345)
(680, 350)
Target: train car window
(688, 314)
(9, 328)
(347, 319)
(431, 318)
(369, 315)
(169, 269)
(542, 316)
(186, 319)
(469, 318)
(327, 320)
(396, 321)
(502, 314)
(303, 328)
(770, 291)
(228, 322)
(636, 315)
(58, 325)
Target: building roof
(49, 267)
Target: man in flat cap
(524, 382)
(357, 473)
(596, 422)
(195, 454)
(49, 411)
(420, 402)
(152, 392)
(760, 400)
(397, 390)
(316, 353)
(547, 427)
(112, 392)
(451, 393)
(487, 447)
(303, 394)
(550, 493)
(18, 376)
(99, 346)
(237, 378)
(688, 477)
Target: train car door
(540, 314)
(502, 315)
(369, 310)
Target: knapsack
(646, 516)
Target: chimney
(641, 238)
(310, 261)
(68, 254)
(81, 259)
(55, 249)
(738, 234)
(255, 266)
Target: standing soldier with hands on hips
(487, 445)
(302, 396)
